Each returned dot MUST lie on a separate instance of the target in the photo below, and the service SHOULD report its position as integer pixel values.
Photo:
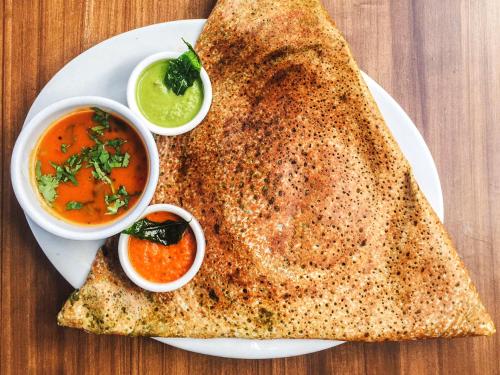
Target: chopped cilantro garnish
(99, 174)
(98, 129)
(103, 162)
(73, 205)
(46, 183)
(67, 171)
(119, 161)
(115, 201)
(116, 143)
(38, 169)
(125, 160)
(122, 191)
(101, 117)
(183, 71)
(102, 158)
(74, 162)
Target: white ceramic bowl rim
(26, 192)
(183, 280)
(132, 102)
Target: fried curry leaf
(168, 232)
(183, 71)
(73, 205)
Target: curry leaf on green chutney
(183, 71)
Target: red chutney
(71, 134)
(159, 263)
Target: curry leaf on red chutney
(168, 232)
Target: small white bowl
(161, 130)
(27, 194)
(183, 280)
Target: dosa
(315, 225)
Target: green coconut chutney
(159, 104)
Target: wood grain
(439, 59)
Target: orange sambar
(73, 131)
(159, 263)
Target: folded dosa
(315, 225)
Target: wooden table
(439, 59)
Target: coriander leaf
(74, 161)
(47, 185)
(126, 160)
(115, 201)
(64, 147)
(116, 143)
(168, 232)
(38, 169)
(98, 129)
(103, 157)
(73, 205)
(122, 191)
(65, 172)
(101, 117)
(103, 161)
(183, 71)
(94, 136)
(119, 161)
(112, 209)
(98, 173)
(59, 170)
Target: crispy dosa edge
(110, 303)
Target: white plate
(104, 70)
